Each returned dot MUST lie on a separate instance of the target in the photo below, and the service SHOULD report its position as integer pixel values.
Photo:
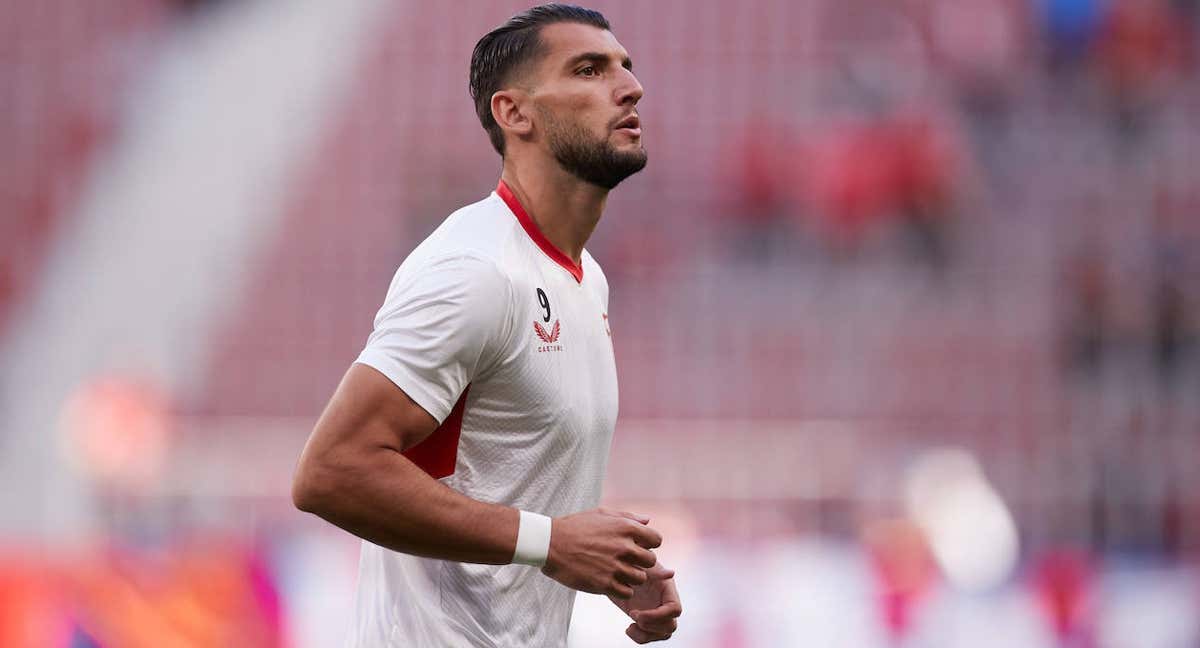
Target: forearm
(386, 499)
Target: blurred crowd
(1050, 142)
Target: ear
(511, 111)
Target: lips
(631, 125)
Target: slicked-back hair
(507, 48)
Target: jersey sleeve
(441, 324)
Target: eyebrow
(598, 57)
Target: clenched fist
(601, 551)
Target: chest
(559, 371)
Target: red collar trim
(534, 233)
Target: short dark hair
(508, 47)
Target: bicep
(368, 411)
(356, 445)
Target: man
(468, 443)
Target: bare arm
(352, 474)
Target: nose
(629, 91)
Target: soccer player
(468, 443)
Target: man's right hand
(601, 551)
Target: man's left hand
(653, 607)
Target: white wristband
(533, 540)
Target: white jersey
(505, 341)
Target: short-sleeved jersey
(505, 341)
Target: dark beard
(595, 162)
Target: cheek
(589, 123)
(585, 107)
(579, 111)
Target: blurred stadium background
(905, 309)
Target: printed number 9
(545, 302)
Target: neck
(565, 208)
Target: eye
(587, 70)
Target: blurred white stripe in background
(171, 217)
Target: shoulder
(464, 257)
(592, 270)
(470, 245)
(463, 278)
(484, 230)
(455, 299)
